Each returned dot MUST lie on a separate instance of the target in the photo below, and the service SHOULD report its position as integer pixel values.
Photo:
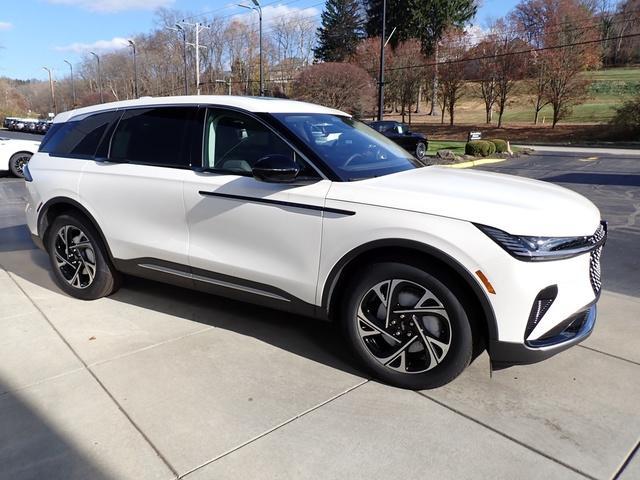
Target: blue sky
(37, 33)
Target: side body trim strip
(269, 201)
(221, 283)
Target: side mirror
(276, 169)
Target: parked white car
(422, 266)
(15, 154)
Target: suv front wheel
(80, 264)
(407, 326)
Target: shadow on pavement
(31, 448)
(623, 180)
(15, 238)
(317, 340)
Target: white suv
(300, 207)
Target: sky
(39, 33)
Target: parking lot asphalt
(160, 382)
(21, 135)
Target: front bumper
(578, 327)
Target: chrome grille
(595, 270)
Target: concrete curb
(474, 163)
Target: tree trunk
(452, 107)
(434, 87)
(417, 110)
(500, 113)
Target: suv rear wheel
(80, 264)
(407, 326)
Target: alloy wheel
(404, 326)
(75, 256)
(20, 162)
(421, 150)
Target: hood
(516, 205)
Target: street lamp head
(179, 27)
(256, 3)
(131, 43)
(68, 62)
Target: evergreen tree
(341, 30)
(425, 20)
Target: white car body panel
(139, 208)
(278, 246)
(516, 205)
(252, 230)
(249, 104)
(11, 146)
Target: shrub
(338, 85)
(626, 122)
(480, 148)
(501, 145)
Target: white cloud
(270, 13)
(6, 26)
(112, 6)
(98, 46)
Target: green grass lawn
(455, 147)
(610, 89)
(623, 74)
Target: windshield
(353, 150)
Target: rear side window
(155, 136)
(78, 138)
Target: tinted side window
(155, 136)
(234, 142)
(78, 138)
(55, 135)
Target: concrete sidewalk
(583, 150)
(160, 382)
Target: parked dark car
(414, 143)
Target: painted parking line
(475, 163)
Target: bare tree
(451, 84)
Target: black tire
(106, 279)
(460, 338)
(17, 163)
(421, 150)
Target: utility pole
(73, 85)
(381, 73)
(178, 28)
(258, 9)
(132, 44)
(99, 77)
(53, 95)
(198, 28)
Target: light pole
(53, 95)
(258, 9)
(132, 44)
(73, 85)
(178, 28)
(99, 76)
(381, 73)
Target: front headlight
(544, 248)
